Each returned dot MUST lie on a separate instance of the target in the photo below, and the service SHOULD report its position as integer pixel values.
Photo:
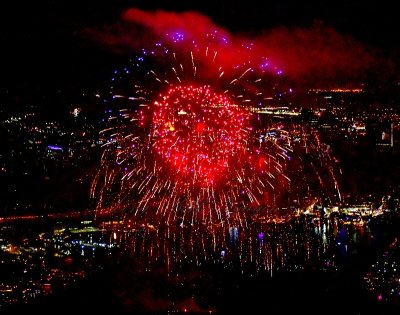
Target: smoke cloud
(315, 55)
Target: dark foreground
(269, 275)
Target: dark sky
(44, 48)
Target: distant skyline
(45, 43)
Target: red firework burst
(180, 145)
(198, 133)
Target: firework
(181, 142)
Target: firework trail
(181, 142)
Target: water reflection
(292, 244)
(203, 268)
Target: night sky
(45, 44)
